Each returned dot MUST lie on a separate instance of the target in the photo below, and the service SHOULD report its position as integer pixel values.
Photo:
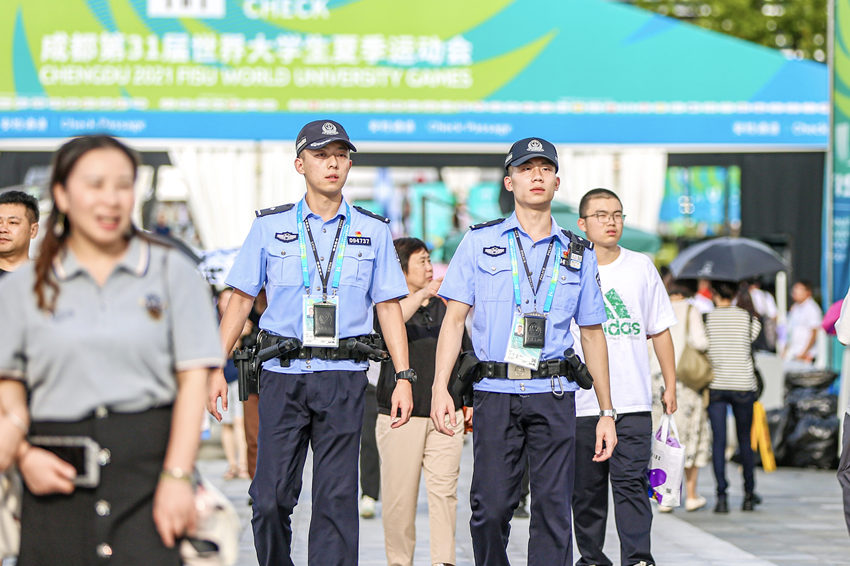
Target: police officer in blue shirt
(527, 280)
(323, 264)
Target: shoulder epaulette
(578, 239)
(273, 210)
(372, 214)
(486, 224)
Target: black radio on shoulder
(534, 335)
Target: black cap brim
(530, 156)
(322, 143)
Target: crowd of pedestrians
(109, 351)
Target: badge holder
(321, 321)
(525, 344)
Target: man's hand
(442, 404)
(668, 400)
(467, 417)
(217, 387)
(606, 439)
(402, 402)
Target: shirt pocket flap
(283, 267)
(494, 265)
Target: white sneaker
(665, 509)
(367, 507)
(695, 503)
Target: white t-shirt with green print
(637, 306)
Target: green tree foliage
(797, 27)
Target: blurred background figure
(18, 227)
(691, 417)
(804, 321)
(765, 307)
(370, 464)
(731, 332)
(232, 420)
(418, 446)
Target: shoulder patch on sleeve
(372, 214)
(273, 210)
(486, 224)
(578, 239)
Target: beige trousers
(404, 452)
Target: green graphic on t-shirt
(620, 321)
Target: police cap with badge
(529, 148)
(319, 133)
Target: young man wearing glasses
(638, 309)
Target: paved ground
(800, 523)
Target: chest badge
(154, 305)
(358, 239)
(494, 251)
(286, 237)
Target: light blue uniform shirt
(479, 275)
(271, 257)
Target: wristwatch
(407, 375)
(608, 413)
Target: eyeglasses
(604, 217)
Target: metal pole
(424, 203)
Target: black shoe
(750, 502)
(521, 511)
(722, 505)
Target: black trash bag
(780, 425)
(816, 378)
(814, 443)
(823, 405)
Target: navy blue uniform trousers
(325, 409)
(508, 428)
(627, 471)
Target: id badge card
(518, 353)
(321, 321)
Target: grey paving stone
(800, 522)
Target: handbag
(667, 464)
(11, 490)
(694, 368)
(756, 372)
(216, 540)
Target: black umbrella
(727, 259)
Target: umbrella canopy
(727, 259)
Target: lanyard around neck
(515, 244)
(339, 242)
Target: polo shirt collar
(307, 213)
(134, 261)
(512, 222)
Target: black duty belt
(356, 348)
(546, 369)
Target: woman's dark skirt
(112, 523)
